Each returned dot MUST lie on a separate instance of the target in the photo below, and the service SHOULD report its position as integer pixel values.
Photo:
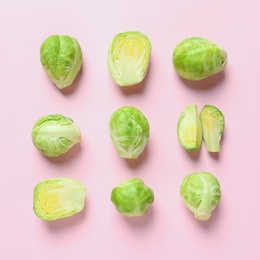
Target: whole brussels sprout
(54, 135)
(129, 131)
(201, 194)
(132, 198)
(128, 58)
(189, 128)
(213, 124)
(58, 198)
(196, 58)
(61, 58)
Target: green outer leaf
(213, 124)
(201, 194)
(128, 58)
(196, 58)
(54, 135)
(132, 197)
(61, 58)
(129, 131)
(189, 128)
(58, 198)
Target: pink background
(169, 230)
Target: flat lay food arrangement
(130, 130)
(128, 61)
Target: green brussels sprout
(132, 198)
(128, 58)
(54, 135)
(129, 131)
(213, 124)
(189, 128)
(61, 58)
(196, 58)
(201, 194)
(58, 198)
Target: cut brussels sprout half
(58, 198)
(54, 135)
(189, 128)
(132, 198)
(128, 58)
(213, 124)
(61, 58)
(129, 131)
(201, 194)
(196, 58)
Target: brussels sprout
(213, 124)
(132, 198)
(61, 58)
(129, 131)
(196, 58)
(128, 58)
(189, 128)
(58, 198)
(54, 135)
(201, 194)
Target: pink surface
(169, 230)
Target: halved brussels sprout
(128, 58)
(189, 128)
(129, 131)
(201, 194)
(132, 198)
(61, 58)
(54, 135)
(213, 124)
(197, 58)
(58, 198)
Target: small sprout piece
(197, 58)
(201, 194)
(128, 58)
(129, 131)
(61, 58)
(213, 124)
(54, 135)
(132, 198)
(58, 198)
(189, 129)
